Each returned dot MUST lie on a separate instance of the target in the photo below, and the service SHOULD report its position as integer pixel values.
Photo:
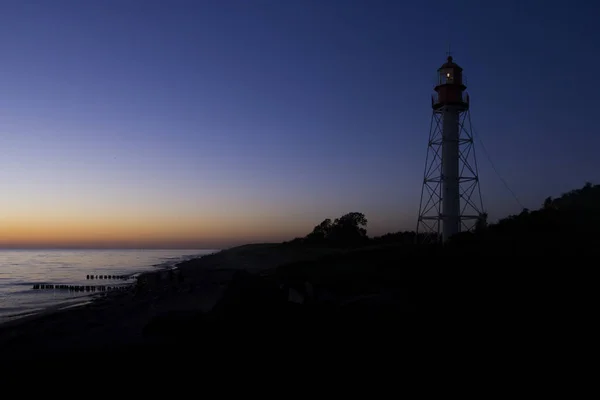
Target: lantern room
(449, 86)
(450, 73)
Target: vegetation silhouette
(347, 231)
(569, 222)
(566, 226)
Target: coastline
(118, 319)
(130, 279)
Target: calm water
(21, 269)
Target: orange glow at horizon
(158, 216)
(100, 230)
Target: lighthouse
(451, 195)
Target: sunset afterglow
(209, 124)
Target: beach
(34, 280)
(118, 318)
(152, 313)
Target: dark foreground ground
(265, 295)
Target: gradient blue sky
(211, 123)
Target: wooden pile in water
(80, 288)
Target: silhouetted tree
(321, 232)
(349, 229)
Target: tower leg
(450, 173)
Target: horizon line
(110, 248)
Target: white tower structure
(451, 196)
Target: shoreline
(117, 318)
(67, 304)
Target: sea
(24, 272)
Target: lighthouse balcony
(460, 100)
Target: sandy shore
(118, 320)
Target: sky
(206, 124)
